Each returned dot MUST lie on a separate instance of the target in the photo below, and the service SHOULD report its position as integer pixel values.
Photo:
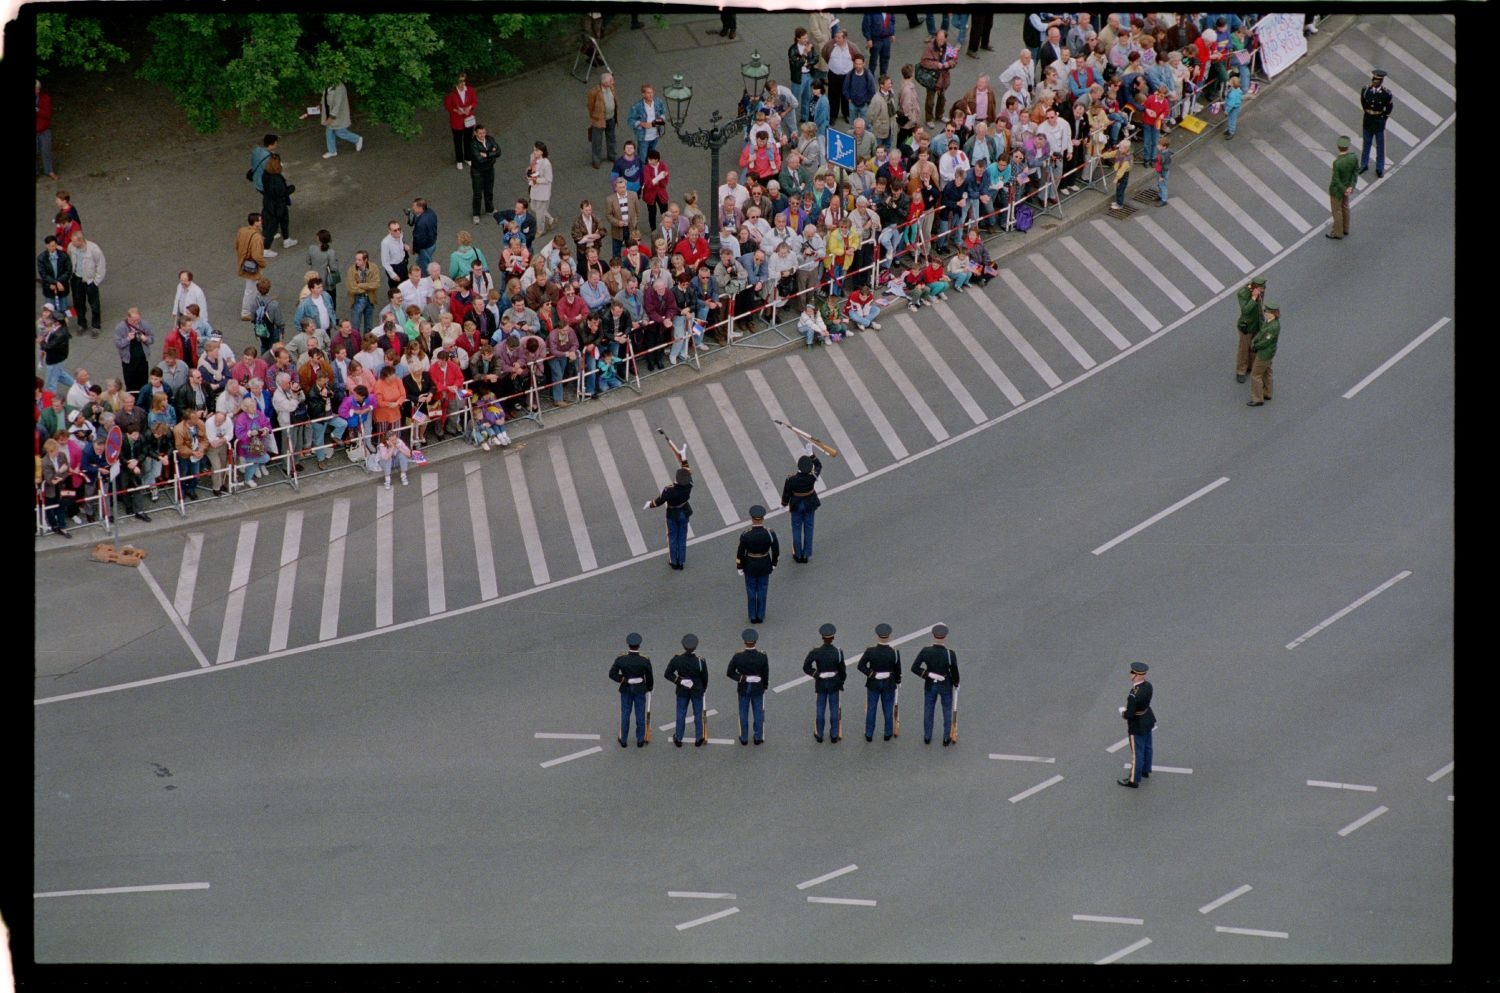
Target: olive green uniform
(1247, 324)
(1345, 170)
(1264, 344)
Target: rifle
(680, 453)
(954, 736)
(826, 448)
(897, 732)
(648, 716)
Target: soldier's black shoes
(677, 742)
(1240, 377)
(946, 742)
(1363, 169)
(744, 741)
(1145, 775)
(1379, 173)
(699, 742)
(621, 741)
(1255, 403)
(887, 738)
(675, 565)
(870, 737)
(1126, 782)
(818, 738)
(760, 741)
(1335, 237)
(926, 741)
(835, 740)
(642, 743)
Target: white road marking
(844, 901)
(1405, 351)
(1217, 239)
(1160, 514)
(826, 877)
(1017, 340)
(1267, 195)
(624, 510)
(979, 355)
(1251, 931)
(1118, 745)
(1189, 261)
(286, 581)
(770, 495)
(1233, 894)
(1419, 71)
(1116, 956)
(171, 613)
(572, 506)
(1036, 789)
(333, 578)
(1052, 324)
(835, 428)
(1180, 770)
(526, 516)
(1404, 100)
(156, 888)
(1440, 774)
(690, 895)
(234, 604)
(1353, 606)
(1418, 29)
(1021, 758)
(704, 920)
(1117, 292)
(940, 366)
(1297, 176)
(1349, 829)
(568, 758)
(1136, 258)
(702, 461)
(385, 557)
(1096, 919)
(651, 451)
(773, 410)
(867, 403)
(1338, 86)
(432, 544)
(1325, 146)
(187, 576)
(672, 724)
(904, 386)
(563, 736)
(479, 524)
(1340, 786)
(1236, 212)
(721, 741)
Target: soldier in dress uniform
(675, 498)
(1341, 187)
(633, 672)
(799, 493)
(1251, 297)
(825, 664)
(756, 556)
(938, 667)
(1139, 720)
(1264, 344)
(750, 669)
(881, 665)
(1377, 103)
(690, 672)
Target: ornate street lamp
(718, 134)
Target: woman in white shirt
(188, 292)
(539, 177)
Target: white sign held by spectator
(1281, 41)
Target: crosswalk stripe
(1052, 324)
(1133, 254)
(1218, 239)
(1404, 99)
(187, 576)
(651, 452)
(1179, 253)
(1266, 194)
(736, 426)
(905, 387)
(979, 355)
(479, 524)
(432, 545)
(572, 507)
(1236, 213)
(940, 366)
(385, 557)
(624, 509)
(1419, 71)
(526, 517)
(1339, 86)
(1017, 340)
(867, 403)
(1325, 144)
(333, 577)
(1309, 142)
(234, 604)
(1297, 176)
(824, 409)
(702, 462)
(773, 410)
(1418, 29)
(1113, 285)
(286, 581)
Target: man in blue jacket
(878, 29)
(859, 89)
(648, 119)
(423, 231)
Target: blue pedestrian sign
(840, 149)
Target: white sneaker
(269, 254)
(359, 144)
(289, 243)
(460, 166)
(78, 520)
(404, 480)
(330, 155)
(484, 445)
(388, 482)
(1115, 206)
(353, 456)
(503, 438)
(875, 325)
(1312, 29)
(154, 496)
(251, 483)
(476, 218)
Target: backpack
(1024, 217)
(262, 329)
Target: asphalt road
(383, 798)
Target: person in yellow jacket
(839, 248)
(1121, 155)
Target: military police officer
(1264, 344)
(675, 498)
(881, 665)
(826, 665)
(1250, 296)
(1340, 187)
(1377, 103)
(750, 669)
(938, 667)
(756, 556)
(690, 672)
(633, 672)
(1139, 720)
(799, 493)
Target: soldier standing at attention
(826, 665)
(690, 673)
(756, 556)
(1340, 186)
(1251, 296)
(1377, 103)
(750, 669)
(675, 497)
(881, 665)
(799, 493)
(633, 672)
(1264, 344)
(1139, 720)
(938, 667)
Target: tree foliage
(64, 41)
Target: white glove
(740, 572)
(807, 448)
(647, 505)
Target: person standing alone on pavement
(1139, 720)
(1340, 186)
(539, 179)
(44, 130)
(88, 273)
(604, 115)
(424, 221)
(483, 151)
(1264, 344)
(1377, 103)
(460, 104)
(276, 203)
(336, 120)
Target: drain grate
(1144, 196)
(1126, 211)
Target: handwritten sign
(1281, 41)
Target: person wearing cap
(938, 667)
(1340, 186)
(799, 493)
(756, 558)
(1377, 103)
(675, 497)
(1264, 344)
(1251, 297)
(1139, 720)
(690, 672)
(633, 672)
(750, 669)
(881, 665)
(826, 665)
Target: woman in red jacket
(654, 186)
(460, 104)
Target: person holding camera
(648, 119)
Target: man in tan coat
(604, 114)
(623, 209)
(249, 259)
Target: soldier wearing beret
(1264, 344)
(675, 498)
(1139, 720)
(756, 556)
(1340, 187)
(633, 672)
(799, 493)
(690, 672)
(1251, 296)
(750, 669)
(1377, 103)
(881, 665)
(938, 667)
(825, 664)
